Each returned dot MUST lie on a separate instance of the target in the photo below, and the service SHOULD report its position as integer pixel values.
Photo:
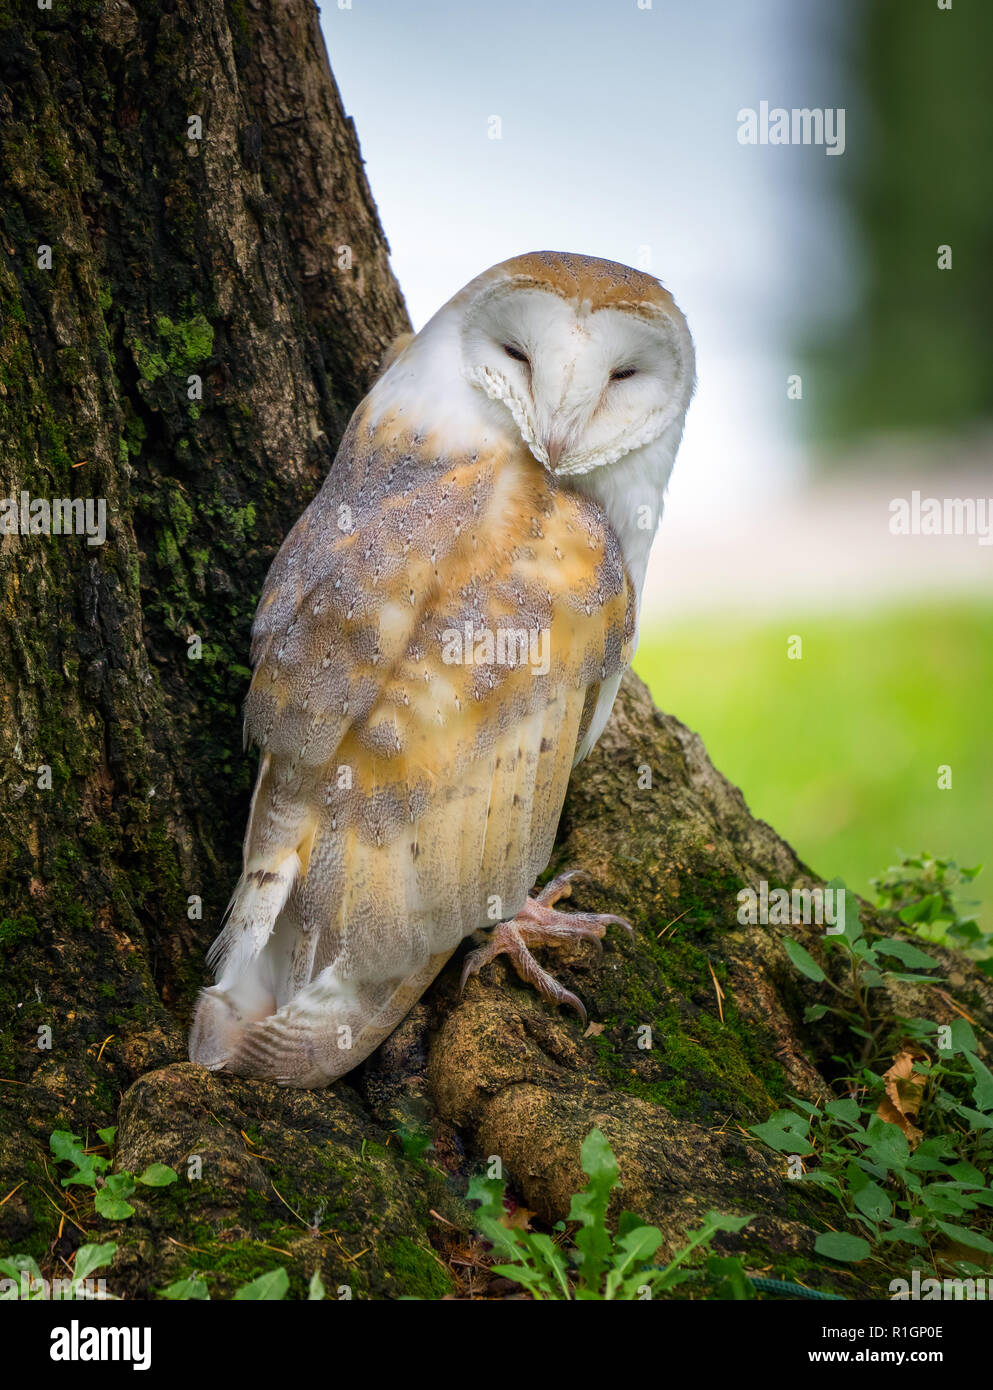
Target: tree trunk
(217, 301)
(215, 308)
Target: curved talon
(511, 943)
(539, 924)
(561, 886)
(473, 963)
(607, 918)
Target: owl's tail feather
(326, 1029)
(222, 1015)
(257, 901)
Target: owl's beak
(554, 448)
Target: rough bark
(221, 258)
(171, 258)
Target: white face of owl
(582, 388)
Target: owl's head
(589, 359)
(584, 360)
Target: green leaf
(729, 1277)
(821, 1179)
(844, 1109)
(635, 1251)
(641, 1244)
(976, 1119)
(803, 960)
(111, 1207)
(718, 1221)
(926, 909)
(854, 1174)
(814, 1012)
(524, 1275)
(552, 1261)
(488, 1192)
(983, 1090)
(158, 1175)
(876, 1170)
(120, 1184)
(926, 1158)
(111, 1199)
(12, 1265)
(713, 1222)
(866, 952)
(415, 1144)
(804, 1105)
(185, 1290)
(598, 1161)
(67, 1148)
(945, 1202)
(904, 1232)
(963, 1039)
(970, 930)
(907, 952)
(107, 1135)
(589, 1207)
(838, 1245)
(316, 1290)
(91, 1257)
(628, 1221)
(267, 1288)
(853, 921)
(12, 1268)
(967, 1172)
(966, 1237)
(873, 1202)
(785, 1132)
(887, 1143)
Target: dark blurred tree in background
(917, 175)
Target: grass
(840, 750)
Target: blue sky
(619, 133)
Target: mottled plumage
(440, 635)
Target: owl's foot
(539, 924)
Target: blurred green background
(840, 750)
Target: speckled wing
(428, 653)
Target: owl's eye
(624, 373)
(516, 354)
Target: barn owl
(439, 641)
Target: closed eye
(516, 354)
(624, 373)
